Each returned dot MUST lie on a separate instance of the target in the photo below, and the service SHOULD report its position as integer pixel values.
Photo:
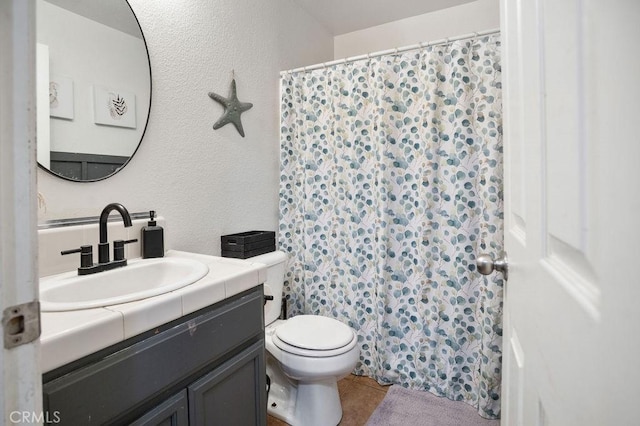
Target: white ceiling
(338, 16)
(345, 16)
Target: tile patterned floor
(359, 396)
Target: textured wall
(476, 16)
(204, 182)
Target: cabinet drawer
(126, 380)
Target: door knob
(487, 265)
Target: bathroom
(206, 183)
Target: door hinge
(21, 324)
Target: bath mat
(407, 407)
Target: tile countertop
(67, 336)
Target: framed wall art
(61, 97)
(114, 107)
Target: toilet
(306, 356)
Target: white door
(20, 376)
(572, 212)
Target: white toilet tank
(275, 262)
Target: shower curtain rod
(390, 51)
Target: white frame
(20, 375)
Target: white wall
(466, 18)
(93, 54)
(205, 182)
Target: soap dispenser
(152, 239)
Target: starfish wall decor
(233, 108)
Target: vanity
(187, 354)
(192, 356)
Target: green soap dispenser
(152, 239)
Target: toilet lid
(314, 332)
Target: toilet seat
(314, 336)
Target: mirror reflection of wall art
(114, 107)
(61, 97)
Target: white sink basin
(140, 279)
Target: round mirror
(94, 87)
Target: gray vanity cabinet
(207, 368)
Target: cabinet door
(172, 412)
(233, 394)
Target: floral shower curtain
(390, 185)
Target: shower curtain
(390, 185)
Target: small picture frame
(113, 107)
(60, 97)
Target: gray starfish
(232, 109)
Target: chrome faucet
(86, 251)
(103, 246)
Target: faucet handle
(86, 255)
(118, 248)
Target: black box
(248, 244)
